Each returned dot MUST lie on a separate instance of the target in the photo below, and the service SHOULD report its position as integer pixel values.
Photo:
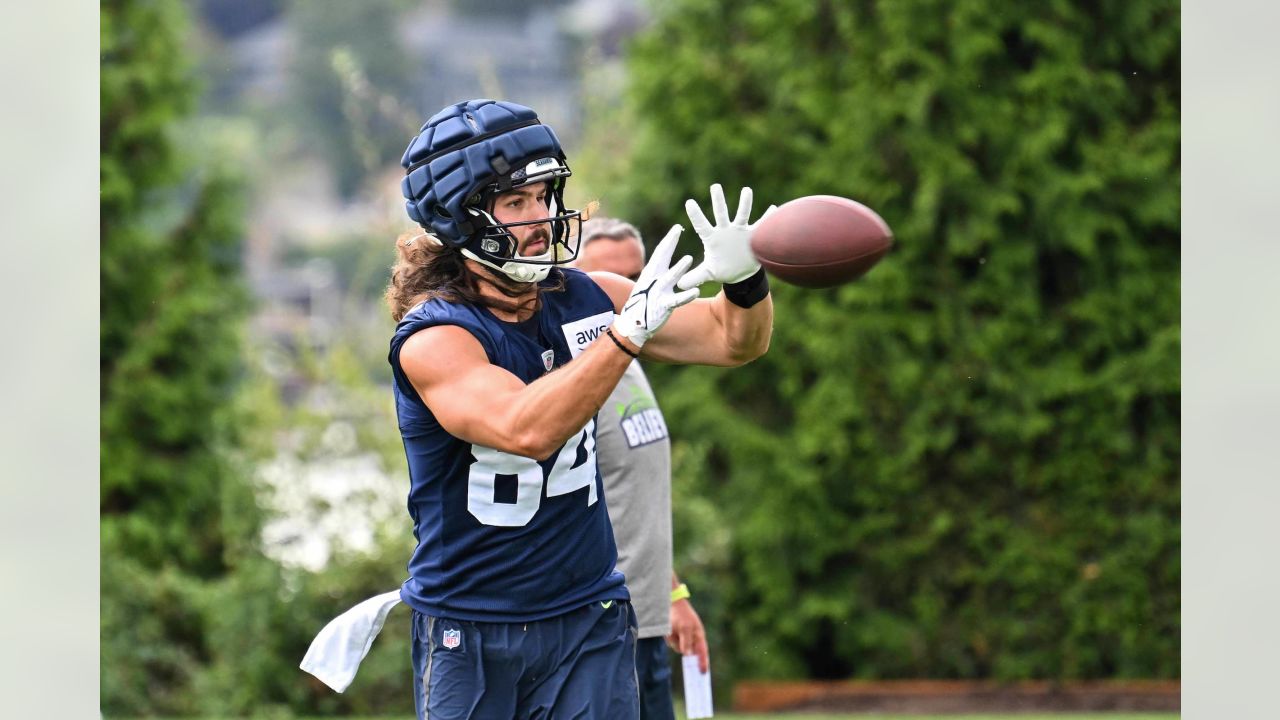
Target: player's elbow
(534, 444)
(524, 432)
(745, 352)
(740, 359)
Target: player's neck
(526, 301)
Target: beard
(539, 233)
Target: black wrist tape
(748, 292)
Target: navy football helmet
(467, 154)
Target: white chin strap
(517, 271)
(528, 272)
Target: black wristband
(748, 292)
(623, 348)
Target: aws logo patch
(581, 333)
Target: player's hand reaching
(727, 256)
(654, 297)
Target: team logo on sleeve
(581, 333)
(452, 639)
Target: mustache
(538, 234)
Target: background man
(634, 455)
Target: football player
(501, 359)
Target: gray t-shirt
(635, 462)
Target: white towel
(336, 653)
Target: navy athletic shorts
(653, 670)
(578, 665)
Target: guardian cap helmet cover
(464, 157)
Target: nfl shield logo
(548, 359)
(452, 638)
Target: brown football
(821, 241)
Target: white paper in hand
(335, 654)
(697, 688)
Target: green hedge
(178, 515)
(965, 464)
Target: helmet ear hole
(440, 211)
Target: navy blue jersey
(503, 538)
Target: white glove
(654, 297)
(727, 256)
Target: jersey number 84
(570, 472)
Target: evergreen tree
(976, 447)
(176, 515)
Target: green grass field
(858, 716)
(1041, 716)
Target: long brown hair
(426, 269)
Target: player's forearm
(550, 410)
(746, 330)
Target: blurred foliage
(601, 161)
(265, 620)
(195, 619)
(235, 17)
(490, 8)
(169, 299)
(176, 516)
(966, 464)
(361, 264)
(348, 68)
